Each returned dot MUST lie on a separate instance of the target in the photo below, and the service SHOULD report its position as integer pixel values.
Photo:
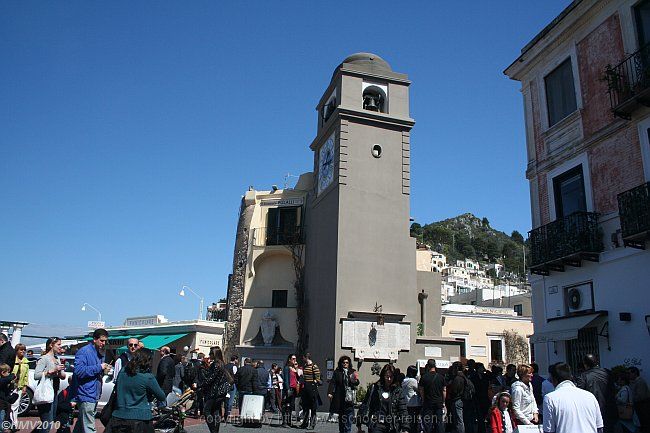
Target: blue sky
(130, 130)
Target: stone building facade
(584, 81)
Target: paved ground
(271, 425)
(192, 425)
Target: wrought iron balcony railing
(628, 83)
(269, 236)
(634, 211)
(565, 241)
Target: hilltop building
(585, 87)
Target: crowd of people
(469, 398)
(463, 398)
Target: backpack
(189, 373)
(469, 391)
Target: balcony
(634, 211)
(277, 236)
(628, 83)
(566, 241)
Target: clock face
(326, 164)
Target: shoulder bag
(107, 411)
(44, 392)
(350, 393)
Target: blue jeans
(432, 420)
(457, 416)
(2, 419)
(231, 401)
(46, 413)
(345, 419)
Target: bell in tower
(373, 99)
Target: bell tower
(358, 249)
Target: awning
(117, 337)
(158, 341)
(565, 329)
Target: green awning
(157, 341)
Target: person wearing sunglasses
(342, 393)
(291, 378)
(132, 345)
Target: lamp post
(182, 293)
(87, 305)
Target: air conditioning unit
(579, 298)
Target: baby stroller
(171, 418)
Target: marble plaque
(372, 341)
(478, 351)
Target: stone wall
(238, 279)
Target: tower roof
(368, 63)
(370, 60)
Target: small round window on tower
(376, 151)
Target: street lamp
(182, 293)
(83, 308)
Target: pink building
(585, 80)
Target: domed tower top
(369, 60)
(370, 64)
(366, 84)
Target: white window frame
(503, 347)
(572, 53)
(644, 141)
(461, 335)
(582, 160)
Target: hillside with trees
(467, 236)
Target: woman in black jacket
(213, 388)
(384, 408)
(341, 393)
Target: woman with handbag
(628, 422)
(48, 373)
(215, 388)
(342, 393)
(291, 388)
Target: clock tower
(359, 253)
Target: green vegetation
(467, 236)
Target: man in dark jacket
(7, 352)
(263, 382)
(455, 390)
(246, 378)
(597, 381)
(166, 371)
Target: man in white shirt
(133, 344)
(570, 409)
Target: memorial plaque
(433, 352)
(372, 341)
(478, 351)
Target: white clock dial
(326, 164)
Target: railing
(627, 80)
(565, 238)
(269, 236)
(634, 211)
